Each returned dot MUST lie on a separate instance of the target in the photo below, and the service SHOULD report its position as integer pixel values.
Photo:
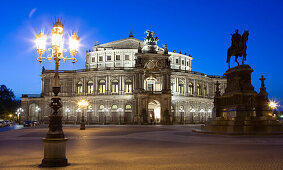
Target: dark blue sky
(201, 28)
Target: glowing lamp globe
(57, 36)
(40, 41)
(74, 44)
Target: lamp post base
(54, 152)
(82, 127)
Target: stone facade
(125, 85)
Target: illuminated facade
(129, 81)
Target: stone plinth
(241, 110)
(54, 152)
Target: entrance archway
(154, 111)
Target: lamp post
(67, 111)
(37, 109)
(19, 111)
(182, 115)
(104, 110)
(55, 141)
(83, 104)
(120, 110)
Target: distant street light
(55, 141)
(83, 104)
(182, 115)
(273, 105)
(67, 111)
(105, 110)
(18, 112)
(37, 109)
(120, 110)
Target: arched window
(90, 87)
(101, 86)
(115, 86)
(79, 87)
(198, 89)
(128, 107)
(128, 86)
(101, 107)
(191, 88)
(114, 107)
(204, 90)
(181, 87)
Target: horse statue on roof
(238, 47)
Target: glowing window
(101, 86)
(114, 107)
(101, 107)
(128, 107)
(181, 87)
(128, 86)
(191, 88)
(115, 86)
(90, 87)
(79, 87)
(198, 89)
(89, 107)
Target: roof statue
(238, 47)
(131, 34)
(165, 49)
(150, 42)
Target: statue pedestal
(241, 110)
(54, 152)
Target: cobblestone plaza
(144, 147)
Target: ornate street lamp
(83, 104)
(55, 141)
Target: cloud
(32, 12)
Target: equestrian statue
(238, 47)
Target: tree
(8, 103)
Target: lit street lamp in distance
(105, 110)
(55, 139)
(273, 105)
(83, 104)
(18, 112)
(67, 111)
(120, 110)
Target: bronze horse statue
(238, 47)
